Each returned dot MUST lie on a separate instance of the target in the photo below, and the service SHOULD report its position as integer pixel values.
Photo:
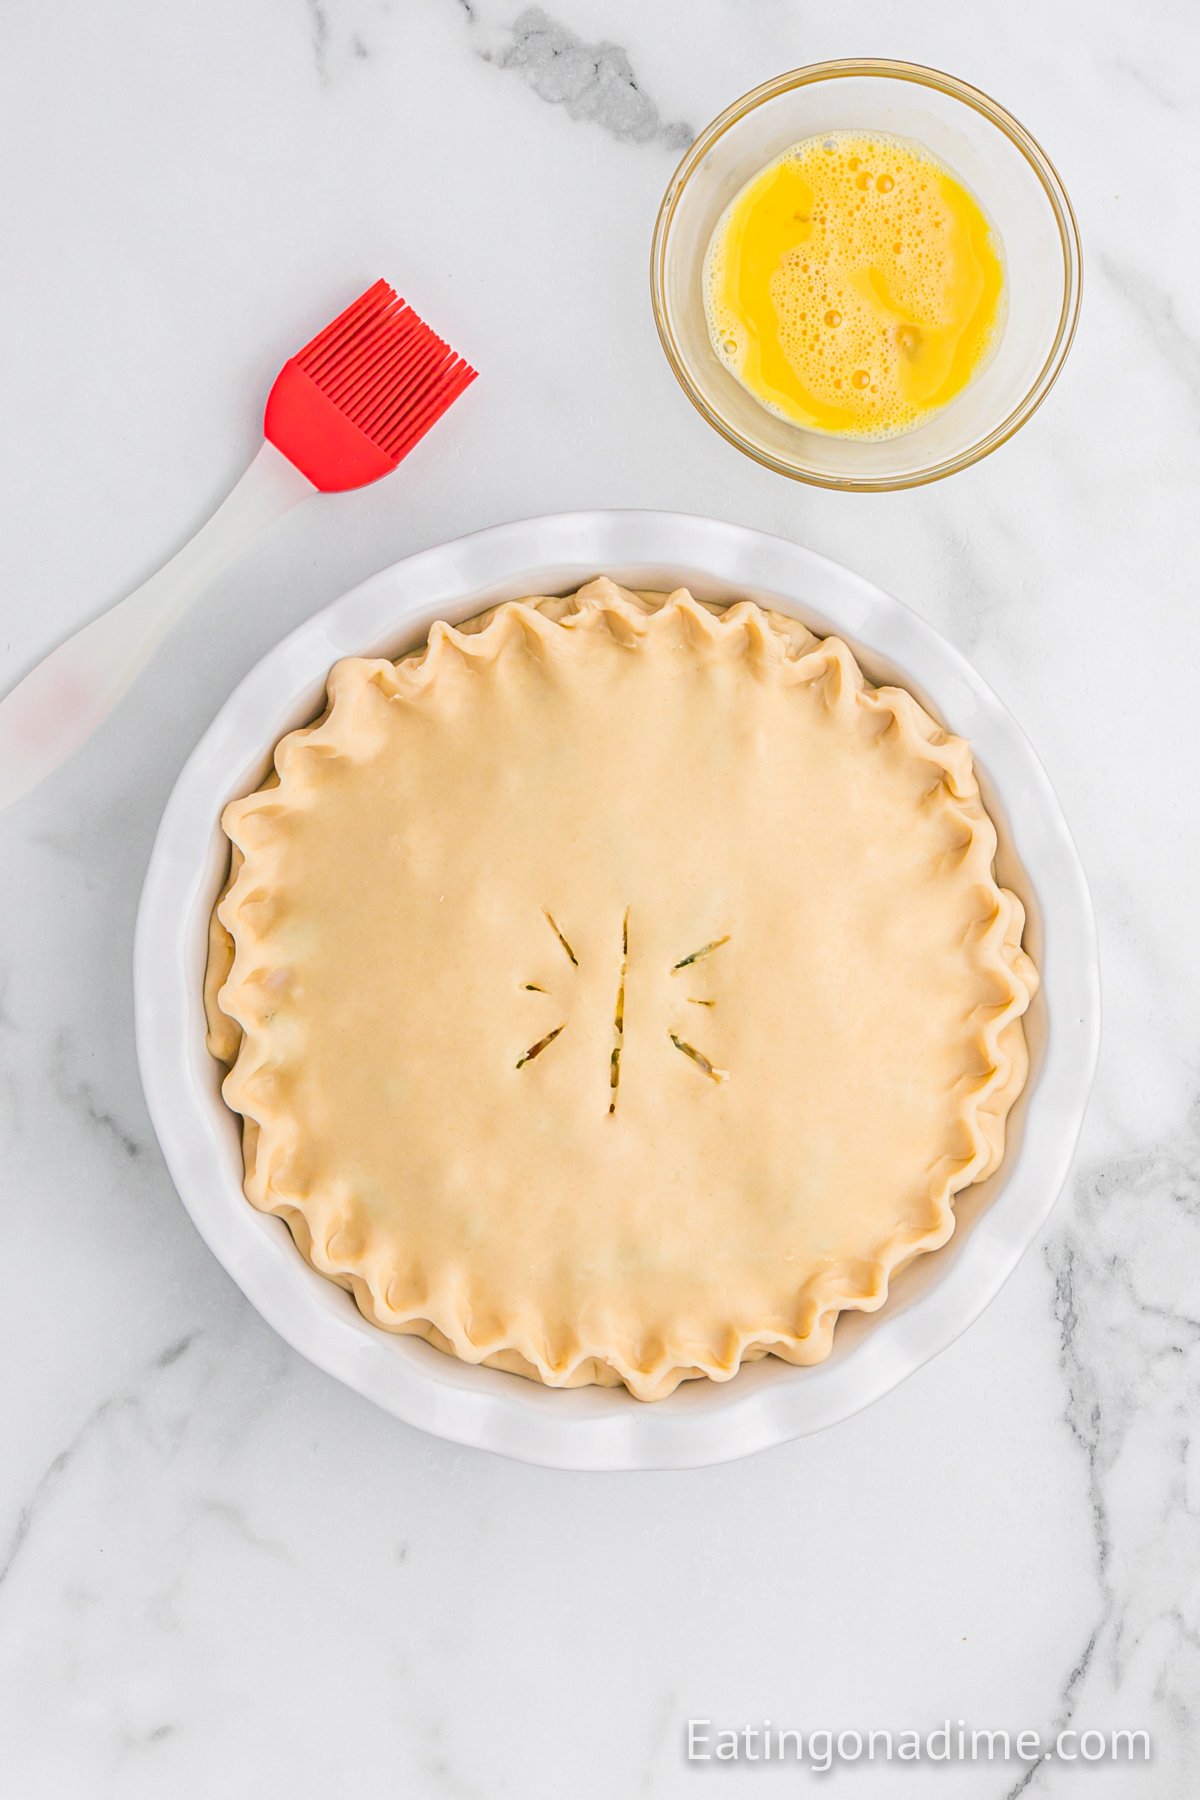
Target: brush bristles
(385, 370)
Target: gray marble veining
(593, 81)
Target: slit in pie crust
(618, 988)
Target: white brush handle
(49, 715)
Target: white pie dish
(769, 1401)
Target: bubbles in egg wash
(854, 285)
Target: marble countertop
(220, 1573)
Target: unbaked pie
(618, 988)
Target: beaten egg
(855, 285)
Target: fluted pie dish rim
(583, 1427)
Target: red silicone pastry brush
(344, 411)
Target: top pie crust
(618, 988)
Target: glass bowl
(986, 148)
